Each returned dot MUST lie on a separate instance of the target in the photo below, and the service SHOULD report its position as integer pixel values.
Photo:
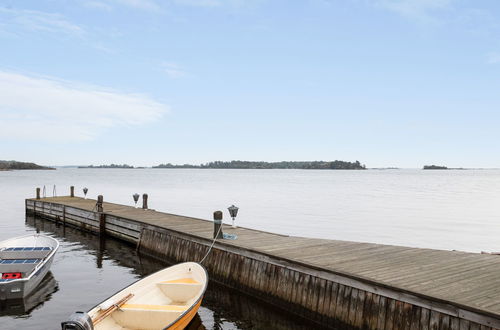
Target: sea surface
(451, 210)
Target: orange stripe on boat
(185, 319)
(182, 281)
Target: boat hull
(184, 321)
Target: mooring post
(218, 225)
(72, 191)
(37, 193)
(145, 201)
(102, 216)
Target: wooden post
(102, 216)
(145, 201)
(100, 200)
(218, 224)
(64, 215)
(37, 193)
(72, 191)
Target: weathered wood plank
(434, 321)
(382, 313)
(391, 315)
(425, 319)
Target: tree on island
(434, 167)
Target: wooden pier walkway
(338, 284)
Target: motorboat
(24, 262)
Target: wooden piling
(37, 193)
(102, 215)
(218, 225)
(145, 201)
(72, 191)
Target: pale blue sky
(388, 82)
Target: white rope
(211, 246)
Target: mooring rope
(211, 246)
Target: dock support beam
(145, 201)
(72, 191)
(37, 193)
(218, 225)
(102, 216)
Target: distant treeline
(13, 165)
(107, 166)
(307, 165)
(434, 167)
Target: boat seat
(170, 308)
(18, 265)
(39, 252)
(143, 316)
(180, 290)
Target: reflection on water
(24, 307)
(222, 308)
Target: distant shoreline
(12, 165)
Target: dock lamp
(233, 212)
(136, 198)
(85, 191)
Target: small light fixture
(85, 191)
(136, 198)
(233, 212)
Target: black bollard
(102, 216)
(218, 225)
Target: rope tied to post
(217, 233)
(211, 246)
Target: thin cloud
(98, 5)
(108, 5)
(15, 20)
(49, 108)
(493, 58)
(420, 10)
(217, 3)
(199, 3)
(173, 70)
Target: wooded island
(305, 165)
(6, 165)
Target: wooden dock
(338, 284)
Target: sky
(387, 82)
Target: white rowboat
(167, 299)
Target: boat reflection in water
(24, 306)
(222, 307)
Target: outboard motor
(78, 321)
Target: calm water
(435, 209)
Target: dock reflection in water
(222, 308)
